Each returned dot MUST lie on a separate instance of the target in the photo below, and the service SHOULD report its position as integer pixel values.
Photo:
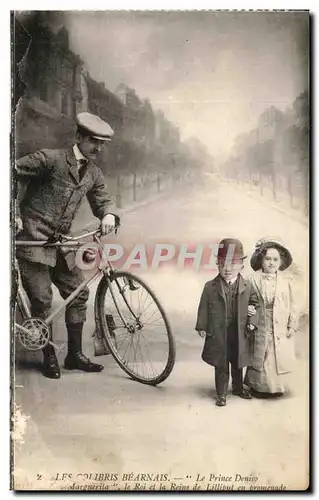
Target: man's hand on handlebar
(18, 224)
(109, 223)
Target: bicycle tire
(108, 334)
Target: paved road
(109, 424)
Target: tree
(295, 146)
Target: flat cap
(94, 126)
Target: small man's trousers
(222, 379)
(222, 372)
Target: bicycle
(127, 313)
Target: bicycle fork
(121, 290)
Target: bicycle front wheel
(135, 328)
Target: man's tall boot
(50, 367)
(75, 359)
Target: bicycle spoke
(154, 328)
(150, 316)
(129, 340)
(124, 338)
(150, 362)
(128, 346)
(150, 304)
(146, 297)
(143, 362)
(152, 324)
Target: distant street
(107, 423)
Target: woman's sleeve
(293, 315)
(254, 301)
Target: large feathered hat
(260, 248)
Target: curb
(141, 204)
(272, 204)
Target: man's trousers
(37, 279)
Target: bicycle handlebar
(76, 238)
(61, 240)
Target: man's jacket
(52, 197)
(212, 318)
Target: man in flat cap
(51, 186)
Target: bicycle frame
(105, 268)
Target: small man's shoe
(242, 393)
(80, 362)
(221, 401)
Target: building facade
(57, 87)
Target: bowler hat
(260, 248)
(230, 248)
(94, 126)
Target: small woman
(273, 350)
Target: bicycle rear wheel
(135, 327)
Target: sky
(212, 73)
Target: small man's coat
(284, 317)
(53, 194)
(212, 319)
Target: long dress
(267, 380)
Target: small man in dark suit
(226, 319)
(52, 184)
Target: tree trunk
(118, 192)
(261, 184)
(274, 182)
(306, 189)
(290, 190)
(134, 186)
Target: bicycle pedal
(110, 322)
